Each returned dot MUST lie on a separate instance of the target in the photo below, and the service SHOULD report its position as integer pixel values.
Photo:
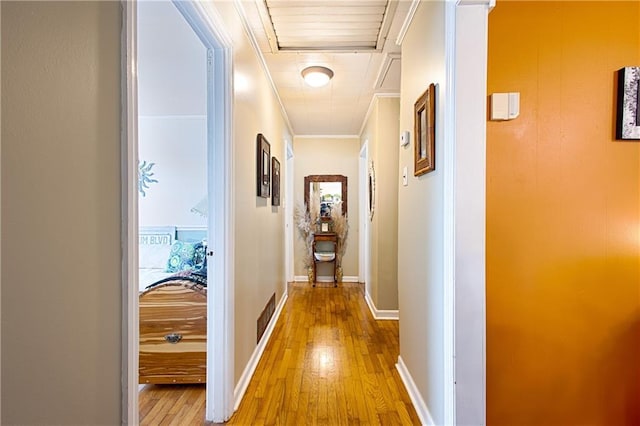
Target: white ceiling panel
(351, 37)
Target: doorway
(210, 198)
(363, 191)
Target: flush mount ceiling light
(317, 76)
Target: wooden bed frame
(173, 333)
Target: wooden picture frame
(275, 182)
(308, 180)
(425, 132)
(628, 104)
(263, 166)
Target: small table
(325, 237)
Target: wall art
(425, 132)
(628, 111)
(263, 166)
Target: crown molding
(326, 137)
(384, 68)
(256, 48)
(407, 21)
(374, 98)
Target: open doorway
(181, 119)
(172, 197)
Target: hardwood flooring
(328, 362)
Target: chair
(324, 251)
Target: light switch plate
(405, 180)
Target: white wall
(382, 132)
(420, 215)
(470, 208)
(172, 126)
(259, 226)
(329, 156)
(61, 255)
(178, 147)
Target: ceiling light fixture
(317, 76)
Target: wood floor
(328, 362)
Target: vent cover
(333, 25)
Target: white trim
(173, 116)
(384, 68)
(208, 25)
(289, 165)
(326, 279)
(489, 3)
(407, 21)
(256, 48)
(250, 368)
(129, 213)
(364, 257)
(414, 394)
(447, 100)
(327, 137)
(374, 98)
(381, 314)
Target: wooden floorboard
(328, 363)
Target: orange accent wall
(563, 218)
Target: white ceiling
(328, 33)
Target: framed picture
(628, 111)
(275, 182)
(263, 169)
(425, 132)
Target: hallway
(328, 362)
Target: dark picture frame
(263, 166)
(628, 104)
(275, 182)
(425, 132)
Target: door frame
(365, 252)
(289, 207)
(207, 24)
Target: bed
(173, 305)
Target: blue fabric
(187, 256)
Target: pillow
(187, 256)
(200, 258)
(180, 256)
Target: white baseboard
(325, 279)
(250, 368)
(381, 314)
(414, 394)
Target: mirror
(330, 189)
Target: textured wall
(420, 216)
(563, 219)
(61, 275)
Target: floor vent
(265, 316)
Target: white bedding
(151, 275)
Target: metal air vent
(333, 25)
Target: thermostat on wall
(404, 138)
(505, 106)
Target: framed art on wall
(263, 166)
(628, 104)
(424, 132)
(275, 182)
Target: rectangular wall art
(263, 166)
(275, 182)
(628, 114)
